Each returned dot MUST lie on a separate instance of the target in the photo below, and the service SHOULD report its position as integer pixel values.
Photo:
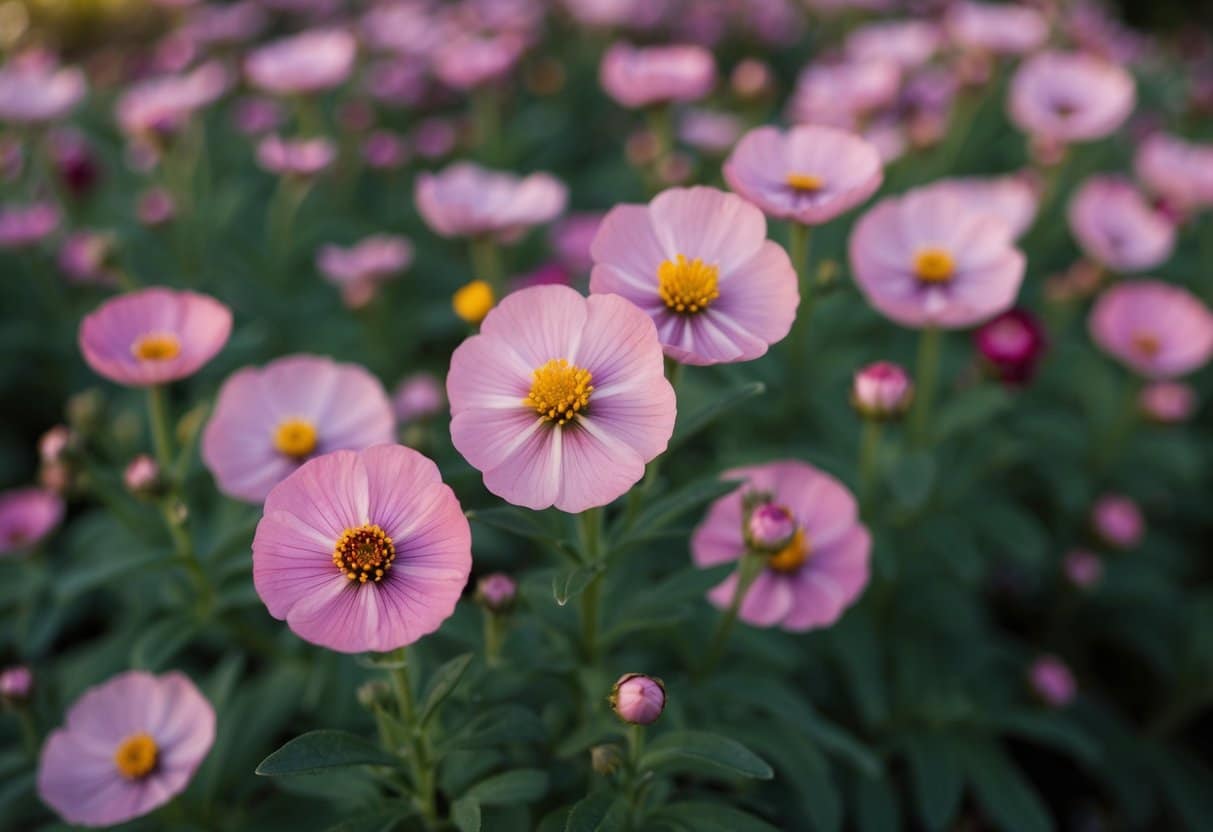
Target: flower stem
(486, 263)
(748, 570)
(158, 421)
(869, 450)
(799, 251)
(591, 542)
(928, 369)
(493, 636)
(419, 742)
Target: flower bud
(1011, 345)
(882, 390)
(770, 527)
(638, 699)
(1083, 569)
(156, 207)
(751, 78)
(1167, 402)
(1118, 521)
(417, 397)
(1052, 681)
(374, 693)
(16, 683)
(142, 476)
(496, 592)
(606, 759)
(473, 301)
(84, 410)
(53, 443)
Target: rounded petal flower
(362, 550)
(560, 400)
(698, 262)
(270, 420)
(810, 174)
(27, 515)
(1117, 227)
(128, 747)
(1070, 96)
(639, 76)
(909, 43)
(1001, 28)
(927, 259)
(154, 335)
(303, 63)
(1154, 328)
(1012, 198)
(39, 94)
(1180, 172)
(466, 199)
(822, 570)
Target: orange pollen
(687, 285)
(295, 438)
(136, 757)
(793, 556)
(560, 391)
(934, 265)
(156, 346)
(806, 182)
(364, 553)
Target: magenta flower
(164, 104)
(1052, 681)
(304, 63)
(1168, 402)
(1014, 198)
(1070, 96)
(843, 94)
(128, 747)
(698, 262)
(1180, 172)
(16, 683)
(1118, 521)
(362, 550)
(154, 335)
(821, 571)
(908, 43)
(469, 61)
(496, 591)
(22, 226)
(296, 157)
(1011, 345)
(926, 259)
(37, 94)
(417, 397)
(466, 200)
(881, 390)
(27, 516)
(638, 699)
(1083, 569)
(561, 399)
(156, 207)
(269, 420)
(1156, 329)
(86, 257)
(638, 76)
(809, 174)
(358, 270)
(999, 28)
(1116, 227)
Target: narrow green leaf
(936, 776)
(1053, 730)
(970, 409)
(324, 749)
(496, 726)
(570, 584)
(161, 641)
(911, 479)
(693, 422)
(668, 509)
(443, 683)
(875, 804)
(678, 749)
(1006, 796)
(598, 812)
(524, 785)
(383, 819)
(515, 521)
(465, 813)
(100, 571)
(713, 817)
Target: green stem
(494, 635)
(800, 253)
(591, 542)
(158, 421)
(419, 744)
(29, 733)
(748, 570)
(869, 450)
(486, 262)
(486, 106)
(929, 343)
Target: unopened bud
(16, 683)
(882, 391)
(496, 592)
(142, 476)
(638, 699)
(606, 759)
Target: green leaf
(517, 522)
(1007, 798)
(1015, 532)
(970, 409)
(858, 651)
(911, 479)
(465, 814)
(324, 749)
(703, 816)
(383, 819)
(161, 641)
(697, 749)
(443, 683)
(570, 584)
(875, 804)
(496, 726)
(936, 776)
(1053, 730)
(668, 509)
(524, 785)
(83, 577)
(598, 812)
(688, 424)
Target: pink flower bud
(1118, 521)
(1083, 568)
(156, 207)
(417, 397)
(16, 683)
(638, 699)
(751, 79)
(1168, 402)
(142, 475)
(1011, 345)
(496, 591)
(770, 527)
(54, 442)
(882, 390)
(1052, 681)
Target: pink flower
(155, 207)
(254, 115)
(1070, 96)
(808, 174)
(27, 516)
(22, 226)
(129, 746)
(1083, 569)
(358, 270)
(225, 24)
(1052, 681)
(1013, 198)
(926, 259)
(561, 399)
(639, 76)
(467, 200)
(56, 442)
(572, 237)
(365, 550)
(496, 591)
(881, 390)
(417, 397)
(771, 527)
(1011, 345)
(385, 150)
(141, 475)
(1156, 329)
(1180, 172)
(296, 157)
(308, 62)
(709, 131)
(164, 104)
(908, 43)
(698, 262)
(843, 94)
(817, 575)
(36, 94)
(1001, 28)
(1117, 228)
(154, 335)
(1168, 402)
(433, 137)
(470, 61)
(85, 257)
(1118, 521)
(638, 699)
(269, 420)
(16, 683)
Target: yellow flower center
(806, 182)
(791, 557)
(156, 346)
(560, 391)
(473, 301)
(295, 437)
(136, 756)
(687, 285)
(1146, 343)
(934, 265)
(365, 553)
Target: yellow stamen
(364, 553)
(560, 391)
(156, 346)
(934, 265)
(806, 182)
(136, 756)
(687, 285)
(295, 437)
(1146, 343)
(473, 301)
(791, 557)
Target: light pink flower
(698, 262)
(165, 103)
(572, 237)
(1118, 521)
(308, 62)
(1070, 96)
(86, 257)
(296, 157)
(496, 591)
(417, 397)
(926, 259)
(385, 150)
(881, 390)
(22, 226)
(141, 475)
(561, 399)
(358, 270)
(1179, 171)
(1116, 227)
(469, 61)
(414, 28)
(709, 131)
(362, 550)
(155, 207)
(225, 24)
(637, 76)
(269, 420)
(466, 200)
(129, 746)
(843, 94)
(1000, 28)
(824, 568)
(16, 683)
(638, 699)
(809, 174)
(1084, 569)
(1013, 198)
(154, 335)
(27, 516)
(1168, 402)
(254, 115)
(36, 94)
(908, 43)
(1052, 681)
(1156, 329)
